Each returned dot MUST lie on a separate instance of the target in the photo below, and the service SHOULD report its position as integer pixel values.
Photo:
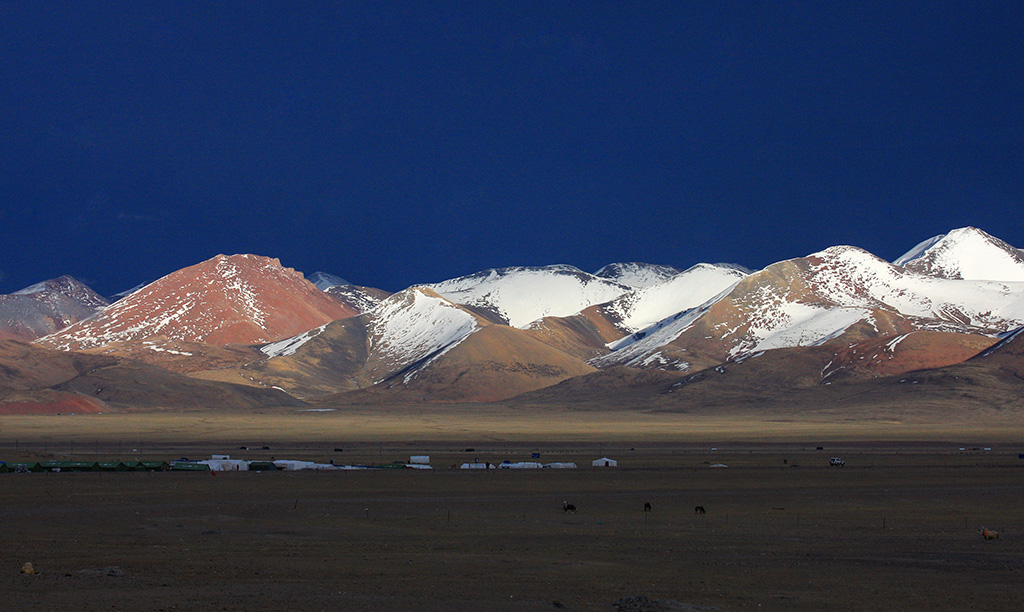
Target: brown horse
(698, 510)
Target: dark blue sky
(422, 141)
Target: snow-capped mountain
(359, 299)
(46, 307)
(646, 306)
(589, 333)
(325, 280)
(811, 300)
(637, 275)
(520, 295)
(404, 330)
(244, 299)
(413, 326)
(841, 312)
(418, 346)
(966, 253)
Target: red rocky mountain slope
(236, 299)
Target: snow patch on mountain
(918, 250)
(642, 348)
(521, 295)
(852, 277)
(1005, 339)
(361, 299)
(646, 306)
(637, 274)
(796, 324)
(325, 280)
(414, 325)
(288, 346)
(128, 292)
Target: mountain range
(244, 332)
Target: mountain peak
(966, 253)
(228, 299)
(46, 307)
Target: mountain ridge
(839, 316)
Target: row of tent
(535, 465)
(518, 465)
(86, 466)
(208, 465)
(223, 463)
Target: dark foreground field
(783, 531)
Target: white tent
(520, 465)
(605, 462)
(560, 466)
(226, 465)
(293, 465)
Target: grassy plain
(896, 529)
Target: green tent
(114, 466)
(71, 466)
(30, 466)
(262, 466)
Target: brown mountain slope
(405, 331)
(493, 363)
(39, 380)
(894, 355)
(182, 356)
(332, 360)
(237, 299)
(584, 335)
(779, 381)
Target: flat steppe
(896, 529)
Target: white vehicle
(837, 461)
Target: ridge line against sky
(417, 142)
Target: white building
(605, 462)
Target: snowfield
(520, 296)
(644, 307)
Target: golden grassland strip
(490, 423)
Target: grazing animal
(988, 534)
(647, 506)
(567, 507)
(698, 510)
